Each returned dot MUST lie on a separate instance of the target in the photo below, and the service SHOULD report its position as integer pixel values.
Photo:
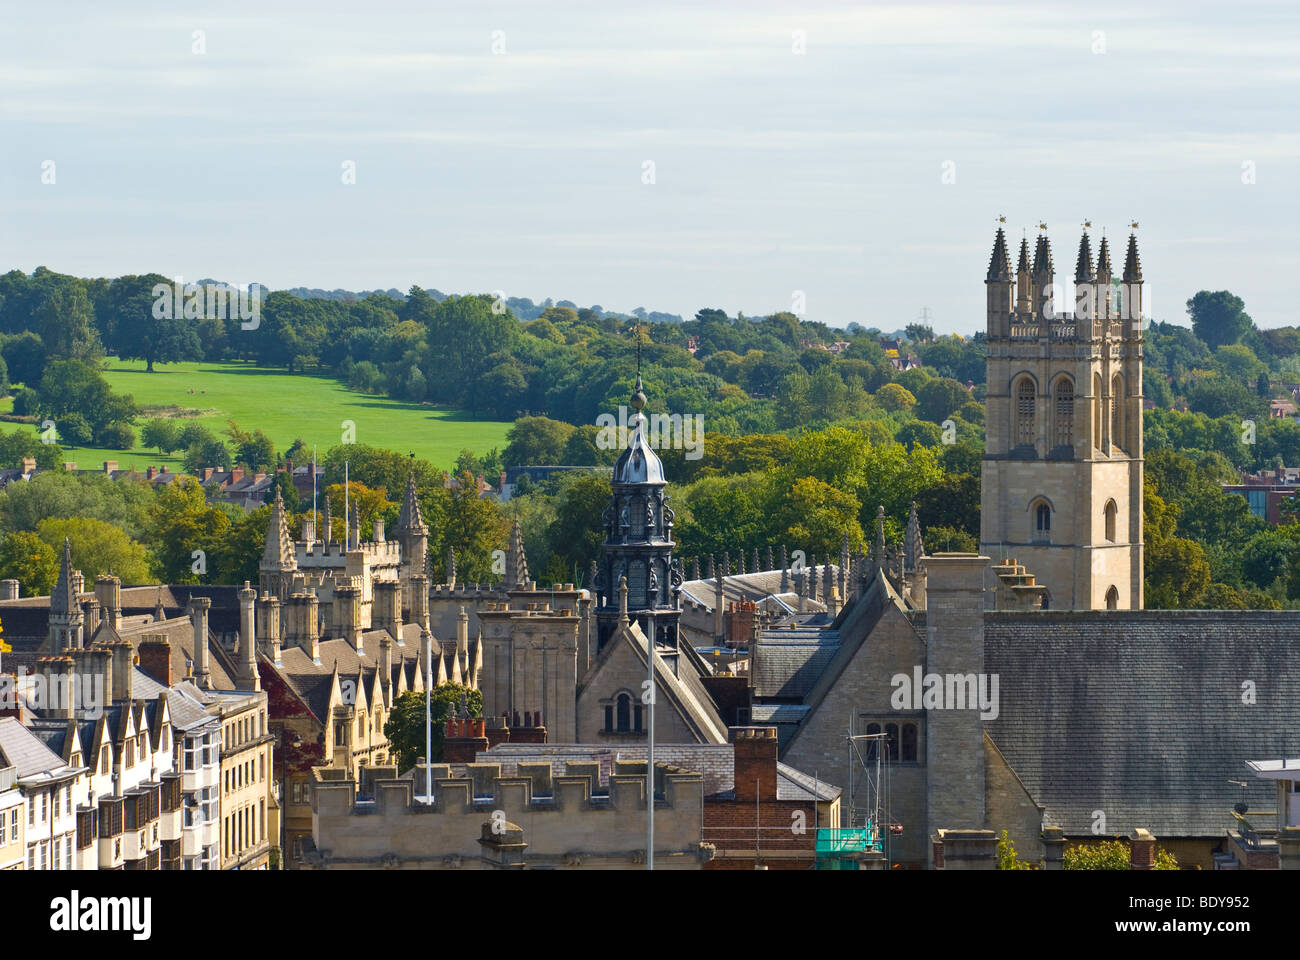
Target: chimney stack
(199, 617)
(248, 676)
(268, 626)
(347, 613)
(387, 609)
(419, 605)
(123, 670)
(755, 763)
(155, 657)
(108, 591)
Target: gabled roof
(25, 751)
(683, 690)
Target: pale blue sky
(522, 171)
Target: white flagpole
(315, 520)
(650, 748)
(347, 509)
(428, 721)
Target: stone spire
(159, 614)
(768, 557)
(755, 568)
(695, 568)
(912, 545)
(812, 576)
(1000, 261)
(1132, 265)
(279, 548)
(64, 599)
(516, 561)
(1103, 262)
(1042, 267)
(1022, 266)
(355, 538)
(409, 516)
(1083, 268)
(709, 570)
(740, 561)
(785, 571)
(451, 564)
(328, 520)
(878, 558)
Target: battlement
(533, 787)
(317, 553)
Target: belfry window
(1025, 412)
(1043, 520)
(1063, 425)
(1117, 412)
(1112, 599)
(1110, 513)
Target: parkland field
(285, 407)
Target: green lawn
(289, 406)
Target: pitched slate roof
(25, 751)
(1140, 714)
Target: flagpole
(650, 748)
(347, 509)
(428, 720)
(315, 520)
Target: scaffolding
(869, 827)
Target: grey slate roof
(1139, 714)
(793, 785)
(25, 751)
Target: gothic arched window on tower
(1110, 513)
(1042, 521)
(1117, 412)
(1025, 391)
(1096, 410)
(1112, 599)
(1063, 424)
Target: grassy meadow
(285, 407)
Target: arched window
(1110, 511)
(624, 711)
(1063, 424)
(891, 738)
(1117, 412)
(873, 729)
(1042, 520)
(909, 743)
(1025, 394)
(1046, 603)
(1112, 599)
(1096, 410)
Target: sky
(851, 160)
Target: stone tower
(414, 538)
(275, 572)
(638, 543)
(1062, 472)
(67, 622)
